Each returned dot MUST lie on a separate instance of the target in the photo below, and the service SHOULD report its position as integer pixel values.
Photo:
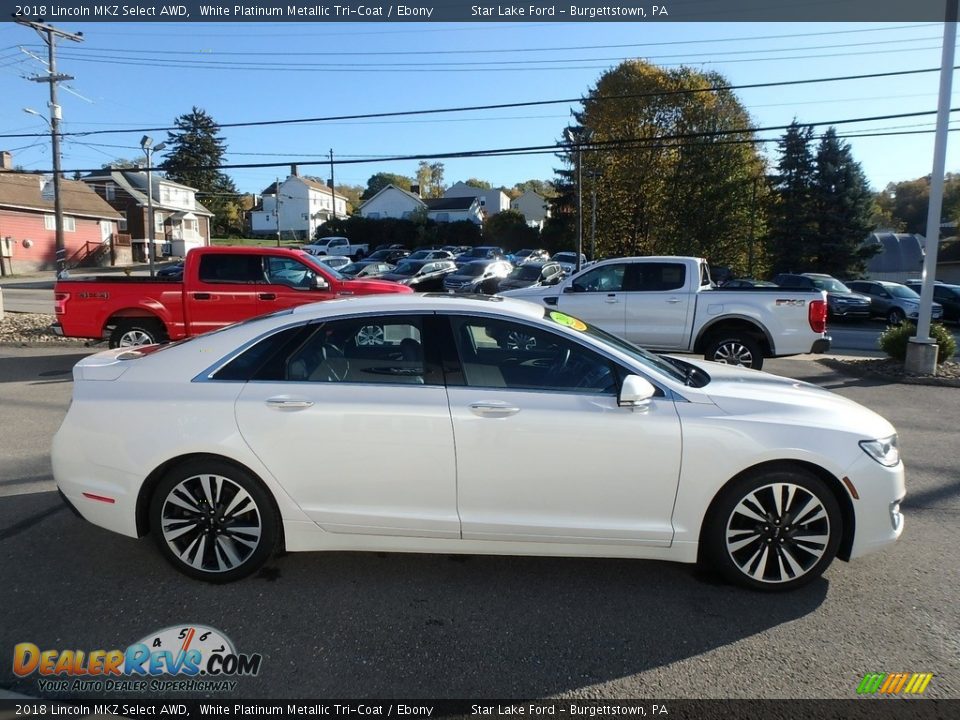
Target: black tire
(896, 316)
(134, 332)
(219, 547)
(735, 349)
(359, 256)
(737, 545)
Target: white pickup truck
(337, 246)
(670, 304)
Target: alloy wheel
(778, 533)
(135, 338)
(211, 523)
(733, 353)
(370, 335)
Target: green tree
(436, 180)
(352, 193)
(479, 184)
(666, 177)
(509, 230)
(424, 174)
(378, 182)
(844, 204)
(543, 188)
(793, 232)
(194, 152)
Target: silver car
(893, 301)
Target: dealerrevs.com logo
(201, 658)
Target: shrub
(893, 341)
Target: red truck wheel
(137, 331)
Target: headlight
(884, 450)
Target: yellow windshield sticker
(570, 322)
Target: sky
(132, 76)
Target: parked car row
(862, 299)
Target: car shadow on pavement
(41, 368)
(379, 624)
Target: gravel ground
(948, 373)
(30, 329)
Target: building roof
(450, 203)
(416, 198)
(898, 252)
(25, 191)
(134, 182)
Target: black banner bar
(78, 11)
(860, 709)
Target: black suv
(842, 302)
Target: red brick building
(27, 219)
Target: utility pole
(50, 35)
(277, 209)
(753, 216)
(333, 194)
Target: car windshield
(830, 285)
(676, 370)
(312, 260)
(565, 257)
(525, 272)
(381, 254)
(419, 255)
(473, 269)
(407, 268)
(902, 291)
(352, 268)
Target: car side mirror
(320, 283)
(636, 392)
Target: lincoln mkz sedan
(213, 445)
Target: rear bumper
(821, 345)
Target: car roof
(444, 302)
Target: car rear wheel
(214, 521)
(773, 531)
(740, 350)
(896, 316)
(137, 331)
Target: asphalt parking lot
(425, 626)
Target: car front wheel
(214, 521)
(896, 316)
(773, 531)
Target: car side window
(287, 271)
(245, 365)
(608, 278)
(237, 268)
(511, 355)
(655, 277)
(382, 350)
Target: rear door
(225, 291)
(596, 296)
(658, 304)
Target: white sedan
(214, 446)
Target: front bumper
(878, 520)
(850, 311)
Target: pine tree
(844, 205)
(793, 230)
(195, 150)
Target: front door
(358, 433)
(596, 296)
(289, 283)
(544, 452)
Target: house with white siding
(392, 202)
(303, 205)
(455, 209)
(533, 206)
(490, 201)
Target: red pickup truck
(219, 286)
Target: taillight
(60, 302)
(817, 315)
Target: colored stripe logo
(894, 683)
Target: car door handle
(267, 296)
(612, 299)
(673, 301)
(489, 409)
(201, 296)
(281, 403)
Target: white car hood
(534, 292)
(742, 392)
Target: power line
(557, 147)
(500, 106)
